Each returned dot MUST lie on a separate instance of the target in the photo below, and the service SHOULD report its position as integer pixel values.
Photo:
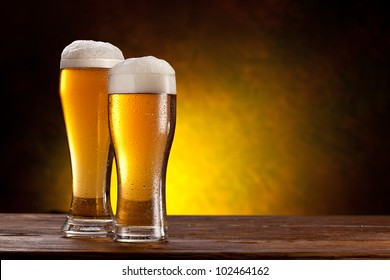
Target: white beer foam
(146, 74)
(88, 53)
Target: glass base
(88, 228)
(140, 233)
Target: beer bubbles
(83, 91)
(142, 75)
(89, 53)
(142, 119)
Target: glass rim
(88, 62)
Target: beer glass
(83, 91)
(142, 119)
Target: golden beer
(84, 98)
(142, 120)
(85, 106)
(142, 129)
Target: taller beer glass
(83, 91)
(142, 118)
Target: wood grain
(208, 237)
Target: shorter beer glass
(83, 91)
(142, 118)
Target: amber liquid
(142, 128)
(137, 213)
(85, 106)
(93, 208)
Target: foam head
(88, 53)
(142, 75)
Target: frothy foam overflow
(88, 53)
(142, 75)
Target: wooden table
(29, 236)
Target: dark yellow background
(283, 106)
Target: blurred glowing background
(283, 106)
